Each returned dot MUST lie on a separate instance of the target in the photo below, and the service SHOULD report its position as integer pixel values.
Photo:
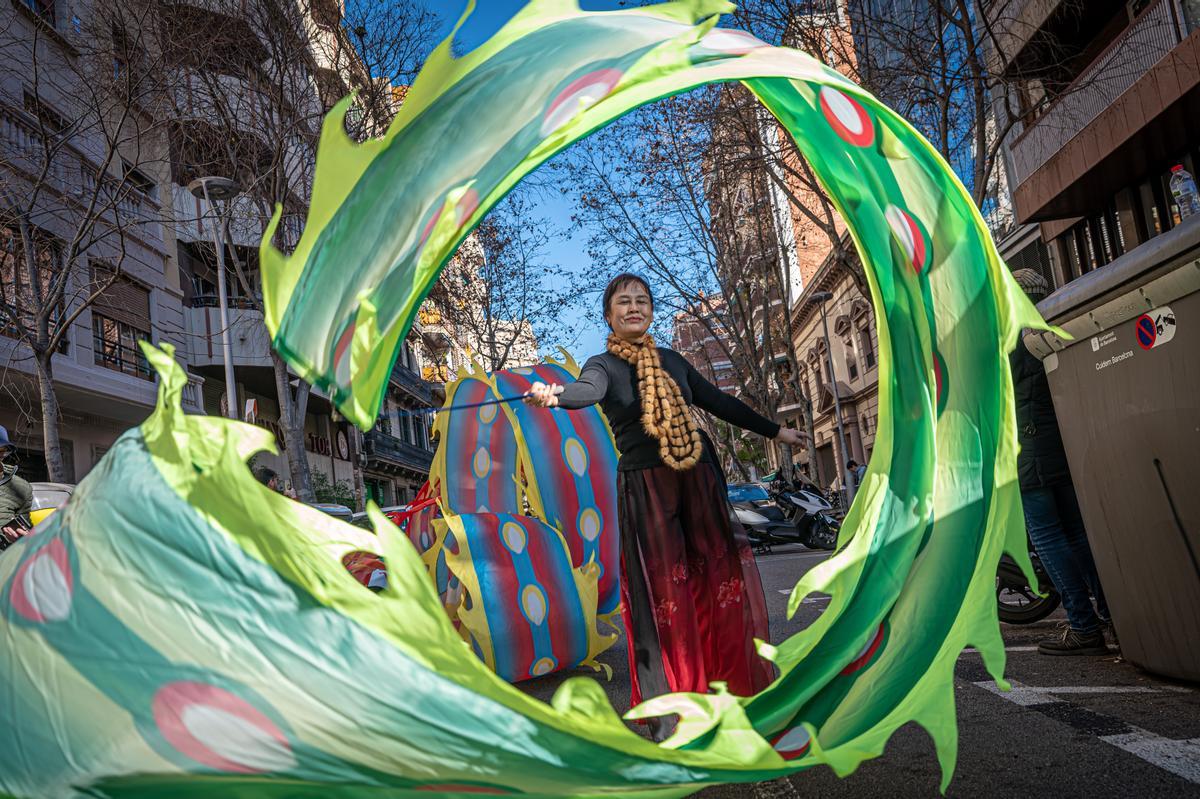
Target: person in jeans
(1052, 514)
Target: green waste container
(1127, 393)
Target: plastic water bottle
(1183, 189)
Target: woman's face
(630, 311)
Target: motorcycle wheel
(1016, 602)
(824, 535)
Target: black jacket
(610, 381)
(1042, 460)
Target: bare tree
(78, 181)
(667, 192)
(262, 84)
(496, 295)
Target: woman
(691, 595)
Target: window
(140, 180)
(17, 297)
(116, 347)
(54, 122)
(42, 8)
(120, 318)
(866, 347)
(851, 363)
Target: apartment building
(697, 341)
(75, 186)
(214, 65)
(838, 372)
(1105, 97)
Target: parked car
(339, 512)
(47, 498)
(393, 512)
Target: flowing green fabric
(179, 630)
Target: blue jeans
(1055, 526)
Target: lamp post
(212, 189)
(823, 297)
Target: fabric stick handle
(469, 405)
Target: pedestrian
(267, 477)
(16, 495)
(692, 600)
(1052, 514)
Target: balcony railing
(1151, 37)
(73, 175)
(410, 381)
(193, 394)
(389, 449)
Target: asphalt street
(1072, 727)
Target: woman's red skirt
(692, 598)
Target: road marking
(812, 553)
(970, 650)
(1180, 757)
(808, 600)
(1028, 695)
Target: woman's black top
(612, 382)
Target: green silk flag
(179, 630)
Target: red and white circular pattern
(866, 653)
(43, 587)
(847, 117)
(579, 95)
(909, 235)
(793, 743)
(220, 730)
(726, 42)
(341, 354)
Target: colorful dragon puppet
(526, 554)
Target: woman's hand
(542, 395)
(789, 436)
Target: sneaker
(1109, 632)
(1073, 643)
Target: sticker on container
(1155, 328)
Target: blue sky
(570, 256)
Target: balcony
(1014, 23)
(1137, 101)
(193, 394)
(1153, 35)
(388, 452)
(409, 381)
(250, 341)
(74, 176)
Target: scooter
(811, 512)
(1017, 603)
(765, 525)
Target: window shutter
(123, 300)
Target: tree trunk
(49, 401)
(811, 429)
(293, 406)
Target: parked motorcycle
(805, 506)
(762, 519)
(1016, 601)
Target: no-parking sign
(1155, 328)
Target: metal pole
(223, 309)
(837, 408)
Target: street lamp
(212, 189)
(823, 297)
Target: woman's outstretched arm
(730, 409)
(588, 389)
